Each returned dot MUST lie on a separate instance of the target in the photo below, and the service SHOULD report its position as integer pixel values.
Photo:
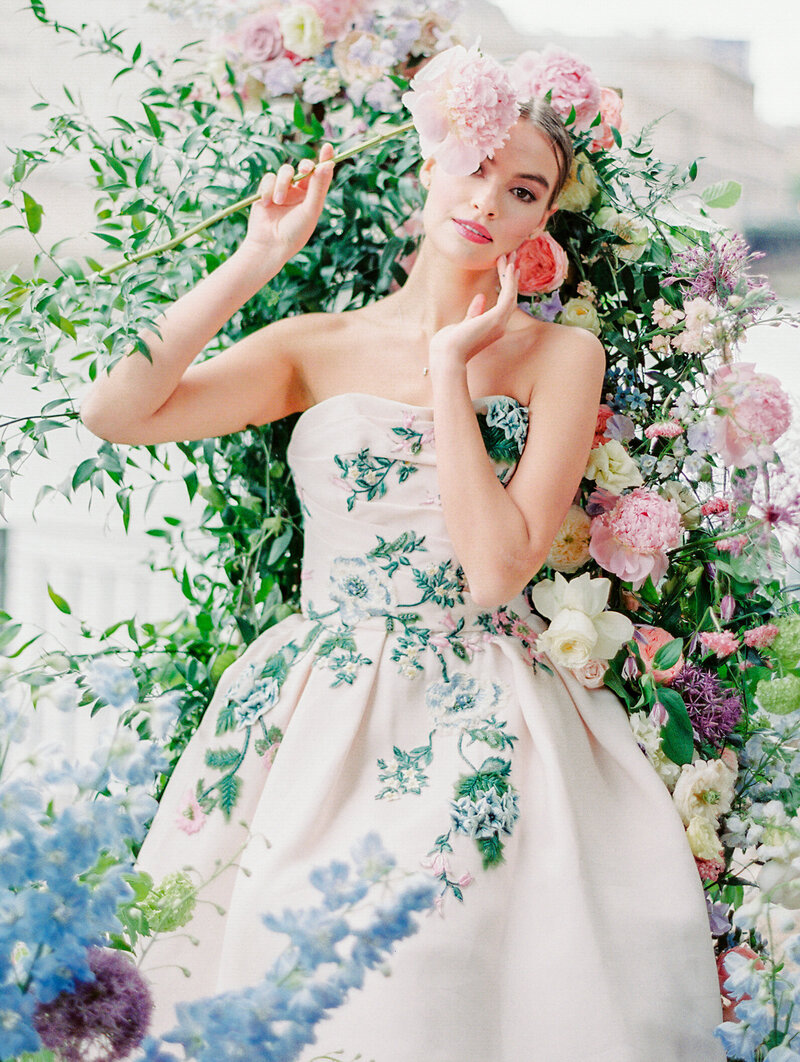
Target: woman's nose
(484, 199)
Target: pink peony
(337, 16)
(570, 82)
(753, 411)
(760, 637)
(463, 105)
(721, 643)
(190, 818)
(261, 38)
(648, 641)
(611, 113)
(633, 538)
(542, 264)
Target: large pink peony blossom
(633, 538)
(611, 114)
(463, 105)
(753, 411)
(570, 82)
(542, 264)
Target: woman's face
(477, 218)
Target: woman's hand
(287, 214)
(455, 344)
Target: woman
(405, 699)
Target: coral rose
(542, 264)
(648, 641)
(728, 1003)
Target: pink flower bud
(630, 669)
(727, 607)
(658, 714)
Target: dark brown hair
(544, 118)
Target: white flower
(661, 345)
(585, 630)
(648, 737)
(252, 695)
(611, 466)
(630, 229)
(302, 30)
(702, 838)
(462, 700)
(359, 589)
(705, 789)
(664, 315)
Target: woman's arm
(502, 535)
(255, 380)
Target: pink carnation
(611, 113)
(714, 506)
(570, 82)
(753, 411)
(760, 637)
(463, 105)
(261, 38)
(542, 264)
(667, 429)
(722, 643)
(633, 538)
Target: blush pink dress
(570, 922)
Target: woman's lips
(472, 231)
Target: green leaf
(278, 547)
(33, 212)
(58, 601)
(228, 793)
(143, 169)
(668, 655)
(155, 125)
(222, 759)
(677, 738)
(722, 194)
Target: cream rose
(302, 30)
(704, 790)
(580, 187)
(612, 467)
(581, 313)
(570, 548)
(569, 639)
(629, 228)
(591, 674)
(702, 838)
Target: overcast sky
(772, 27)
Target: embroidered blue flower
(462, 700)
(487, 814)
(509, 416)
(252, 695)
(359, 589)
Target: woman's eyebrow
(534, 177)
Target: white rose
(583, 600)
(704, 790)
(302, 29)
(580, 313)
(612, 467)
(629, 228)
(592, 674)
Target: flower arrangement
(665, 582)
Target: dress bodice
(376, 544)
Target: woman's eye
(525, 194)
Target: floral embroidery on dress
(366, 475)
(504, 429)
(411, 441)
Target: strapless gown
(569, 924)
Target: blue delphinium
(65, 849)
(330, 949)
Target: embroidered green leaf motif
(406, 775)
(366, 474)
(405, 543)
(226, 720)
(222, 759)
(228, 788)
(499, 447)
(491, 849)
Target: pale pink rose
(337, 16)
(760, 637)
(592, 674)
(190, 818)
(611, 112)
(648, 641)
(632, 539)
(570, 82)
(542, 264)
(721, 643)
(463, 105)
(753, 412)
(261, 38)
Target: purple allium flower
(104, 1019)
(720, 270)
(713, 710)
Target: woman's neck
(438, 293)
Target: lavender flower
(713, 709)
(720, 270)
(104, 1019)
